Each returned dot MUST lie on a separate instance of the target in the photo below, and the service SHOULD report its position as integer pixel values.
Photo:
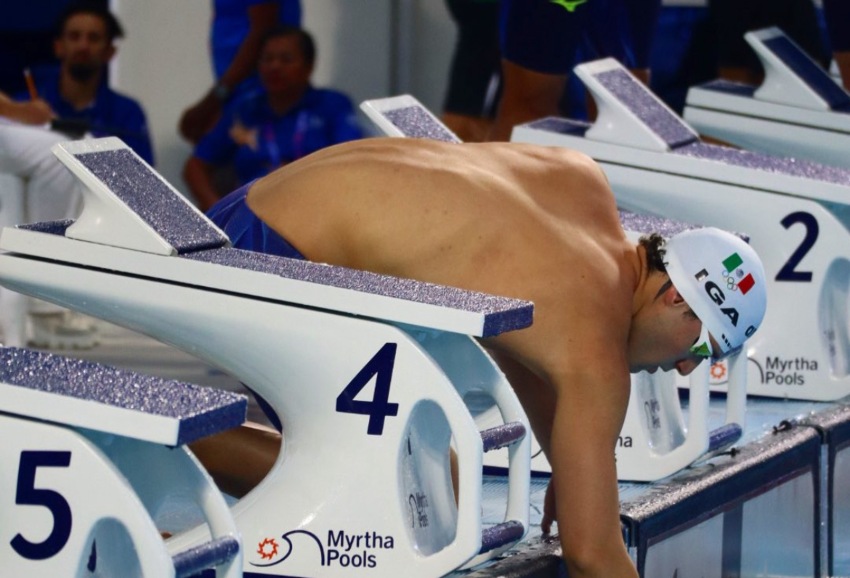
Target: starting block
(756, 514)
(90, 452)
(795, 213)
(366, 372)
(654, 442)
(404, 116)
(798, 110)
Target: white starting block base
(654, 442)
(798, 111)
(366, 373)
(536, 557)
(793, 212)
(86, 467)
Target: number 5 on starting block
(86, 467)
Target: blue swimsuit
(245, 229)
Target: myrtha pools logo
(341, 550)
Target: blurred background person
(475, 76)
(74, 97)
(77, 89)
(236, 33)
(285, 120)
(736, 61)
(541, 41)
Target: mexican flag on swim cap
(722, 279)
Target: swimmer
(534, 223)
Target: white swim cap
(722, 279)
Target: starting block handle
(695, 443)
(736, 405)
(222, 552)
(470, 369)
(208, 555)
(629, 114)
(724, 437)
(501, 535)
(109, 219)
(791, 76)
(513, 530)
(178, 472)
(469, 474)
(664, 444)
(502, 436)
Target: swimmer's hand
(548, 509)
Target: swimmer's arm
(577, 430)
(589, 411)
(536, 396)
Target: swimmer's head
(721, 278)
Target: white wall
(164, 60)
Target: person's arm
(215, 149)
(587, 421)
(262, 17)
(643, 20)
(842, 59)
(197, 120)
(31, 112)
(198, 175)
(344, 126)
(576, 416)
(134, 131)
(526, 95)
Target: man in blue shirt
(284, 121)
(78, 92)
(35, 185)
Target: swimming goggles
(703, 348)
